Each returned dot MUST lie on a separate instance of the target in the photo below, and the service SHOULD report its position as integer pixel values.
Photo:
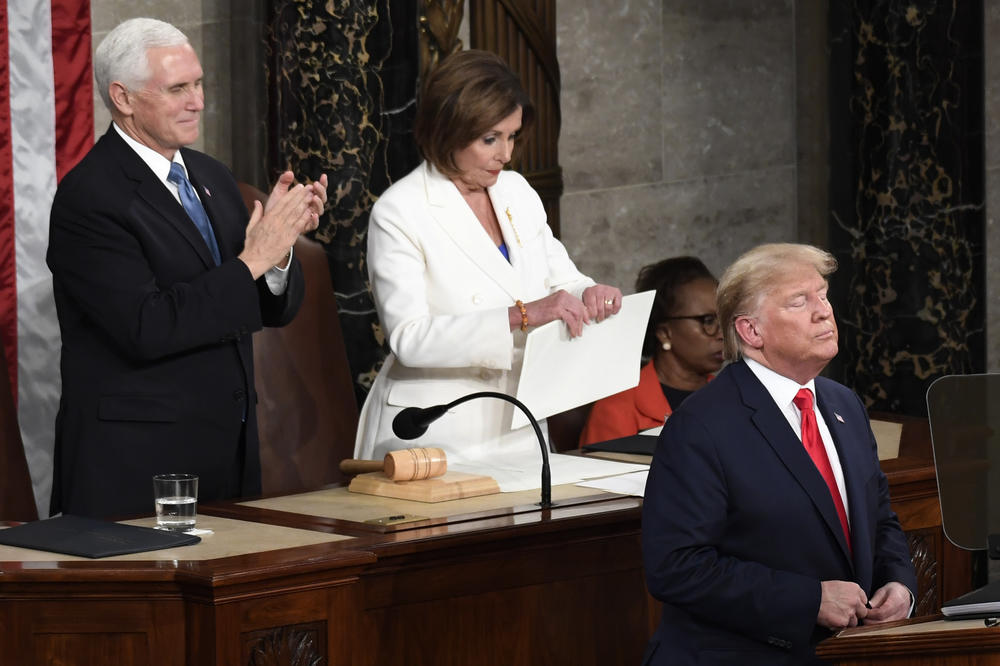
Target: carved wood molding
(294, 645)
(925, 551)
(538, 34)
(523, 32)
(439, 23)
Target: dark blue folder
(89, 537)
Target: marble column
(907, 195)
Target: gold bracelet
(524, 315)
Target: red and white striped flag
(46, 126)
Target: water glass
(176, 497)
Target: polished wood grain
(519, 584)
(514, 584)
(922, 642)
(185, 612)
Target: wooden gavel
(402, 465)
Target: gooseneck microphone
(413, 422)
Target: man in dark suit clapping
(766, 521)
(159, 281)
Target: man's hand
(842, 605)
(890, 602)
(284, 183)
(272, 230)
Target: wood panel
(86, 632)
(265, 608)
(575, 595)
(523, 32)
(519, 584)
(921, 642)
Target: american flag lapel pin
(839, 417)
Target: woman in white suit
(462, 264)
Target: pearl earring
(666, 345)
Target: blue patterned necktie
(194, 208)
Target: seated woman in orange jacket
(683, 344)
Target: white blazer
(442, 290)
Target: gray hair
(752, 276)
(121, 55)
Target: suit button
(239, 395)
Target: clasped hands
(844, 604)
(599, 302)
(291, 209)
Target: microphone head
(409, 423)
(413, 422)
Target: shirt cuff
(277, 277)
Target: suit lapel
(774, 428)
(229, 230)
(156, 196)
(847, 427)
(506, 209)
(453, 214)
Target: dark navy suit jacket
(157, 358)
(739, 528)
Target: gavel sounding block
(453, 485)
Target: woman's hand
(602, 301)
(558, 305)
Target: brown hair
(467, 94)
(750, 277)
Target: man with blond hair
(766, 521)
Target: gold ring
(609, 301)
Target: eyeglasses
(709, 322)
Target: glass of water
(176, 497)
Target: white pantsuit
(443, 289)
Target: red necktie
(814, 445)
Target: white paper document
(626, 484)
(524, 471)
(560, 373)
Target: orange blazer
(629, 412)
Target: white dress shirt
(276, 277)
(782, 390)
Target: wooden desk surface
(339, 504)
(929, 641)
(228, 538)
(482, 584)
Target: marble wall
(700, 127)
(208, 24)
(687, 125)
(678, 132)
(906, 195)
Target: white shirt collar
(781, 388)
(159, 164)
